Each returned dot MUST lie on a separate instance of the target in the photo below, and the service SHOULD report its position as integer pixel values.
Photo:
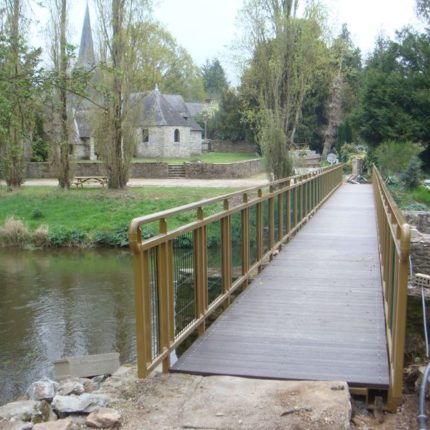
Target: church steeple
(86, 57)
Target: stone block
(87, 366)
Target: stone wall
(419, 219)
(149, 170)
(242, 169)
(226, 146)
(420, 241)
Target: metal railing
(183, 275)
(394, 245)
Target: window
(145, 135)
(177, 136)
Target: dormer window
(177, 136)
(145, 135)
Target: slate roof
(86, 58)
(195, 108)
(158, 109)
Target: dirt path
(191, 183)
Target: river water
(61, 303)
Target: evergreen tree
(214, 79)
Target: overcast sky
(207, 28)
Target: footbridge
(302, 279)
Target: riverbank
(45, 216)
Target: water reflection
(60, 303)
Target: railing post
(165, 295)
(296, 189)
(226, 252)
(143, 312)
(395, 393)
(200, 256)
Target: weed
(14, 233)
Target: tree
(394, 96)
(114, 132)
(60, 115)
(423, 8)
(287, 53)
(20, 80)
(214, 79)
(159, 60)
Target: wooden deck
(315, 313)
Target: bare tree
(287, 52)
(114, 134)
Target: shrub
(349, 151)
(14, 233)
(422, 195)
(116, 238)
(393, 157)
(411, 176)
(63, 238)
(41, 236)
(37, 214)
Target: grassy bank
(49, 217)
(417, 199)
(207, 157)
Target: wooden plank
(316, 312)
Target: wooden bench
(79, 181)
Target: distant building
(164, 123)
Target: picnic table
(79, 181)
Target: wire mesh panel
(214, 252)
(292, 207)
(253, 235)
(276, 219)
(184, 281)
(236, 246)
(265, 226)
(155, 309)
(285, 213)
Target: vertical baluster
(271, 218)
(200, 258)
(260, 228)
(245, 238)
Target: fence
(183, 275)
(394, 243)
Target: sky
(208, 28)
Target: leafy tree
(411, 176)
(393, 157)
(214, 79)
(394, 97)
(159, 60)
(20, 81)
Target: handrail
(182, 276)
(394, 246)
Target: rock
(65, 424)
(104, 418)
(71, 386)
(15, 425)
(85, 403)
(44, 389)
(27, 411)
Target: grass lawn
(208, 157)
(91, 212)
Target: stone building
(164, 123)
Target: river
(61, 303)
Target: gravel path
(192, 183)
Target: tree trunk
(64, 174)
(334, 113)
